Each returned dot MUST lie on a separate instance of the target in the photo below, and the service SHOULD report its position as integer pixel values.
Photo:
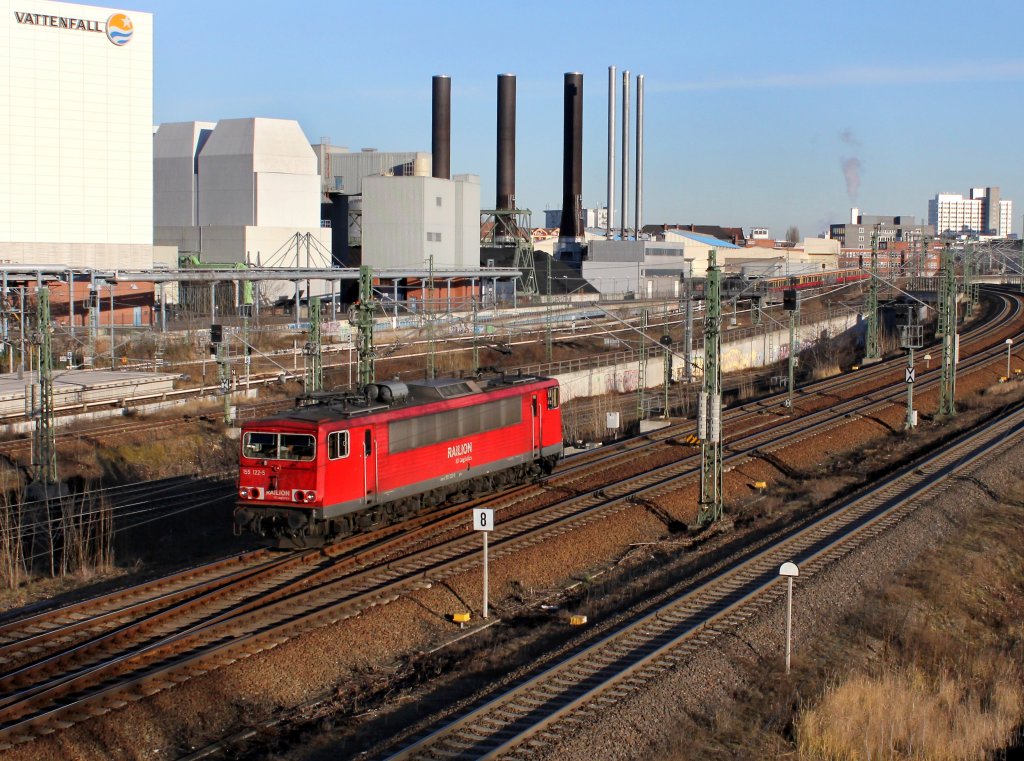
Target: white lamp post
(1009, 345)
(790, 571)
(927, 361)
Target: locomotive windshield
(278, 446)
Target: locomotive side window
(413, 433)
(553, 398)
(278, 446)
(367, 443)
(337, 445)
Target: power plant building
(343, 171)
(408, 220)
(238, 191)
(76, 135)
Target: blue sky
(752, 107)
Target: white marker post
(789, 570)
(483, 521)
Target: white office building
(982, 213)
(76, 126)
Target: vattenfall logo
(118, 27)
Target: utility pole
(871, 348)
(912, 338)
(709, 417)
(45, 443)
(364, 326)
(94, 321)
(666, 360)
(641, 371)
(313, 350)
(219, 349)
(791, 304)
(947, 329)
(224, 375)
(476, 344)
(969, 280)
(688, 334)
(548, 315)
(429, 314)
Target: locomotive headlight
(310, 496)
(243, 493)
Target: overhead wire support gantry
(512, 229)
(364, 326)
(45, 441)
(314, 350)
(709, 417)
(872, 350)
(947, 331)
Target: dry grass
(906, 714)
(950, 682)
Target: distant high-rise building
(983, 212)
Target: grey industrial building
(858, 231)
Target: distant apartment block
(857, 233)
(982, 213)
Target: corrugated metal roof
(705, 239)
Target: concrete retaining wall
(750, 349)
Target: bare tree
(793, 234)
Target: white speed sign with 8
(483, 519)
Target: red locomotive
(341, 463)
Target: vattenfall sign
(118, 27)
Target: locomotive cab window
(337, 445)
(297, 447)
(260, 446)
(278, 446)
(553, 398)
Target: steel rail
(550, 705)
(223, 620)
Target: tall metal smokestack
(612, 84)
(639, 205)
(625, 155)
(441, 127)
(570, 233)
(506, 191)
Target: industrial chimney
(506, 191)
(610, 223)
(441, 127)
(638, 207)
(570, 235)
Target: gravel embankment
(694, 698)
(362, 653)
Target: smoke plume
(851, 165)
(851, 171)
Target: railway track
(548, 708)
(245, 611)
